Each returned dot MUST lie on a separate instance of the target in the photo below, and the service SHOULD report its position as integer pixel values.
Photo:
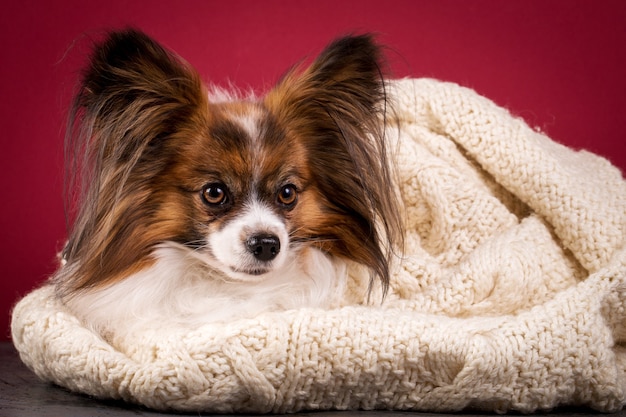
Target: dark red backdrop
(560, 64)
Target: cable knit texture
(511, 294)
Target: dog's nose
(263, 247)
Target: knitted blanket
(511, 294)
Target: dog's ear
(337, 108)
(131, 81)
(344, 81)
(134, 95)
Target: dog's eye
(214, 194)
(288, 195)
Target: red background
(559, 64)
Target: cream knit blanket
(511, 295)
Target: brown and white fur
(192, 206)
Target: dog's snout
(263, 247)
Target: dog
(192, 204)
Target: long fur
(163, 179)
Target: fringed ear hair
(134, 94)
(337, 107)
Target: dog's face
(242, 185)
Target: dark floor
(22, 394)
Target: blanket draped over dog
(511, 294)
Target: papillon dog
(192, 204)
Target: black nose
(263, 247)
